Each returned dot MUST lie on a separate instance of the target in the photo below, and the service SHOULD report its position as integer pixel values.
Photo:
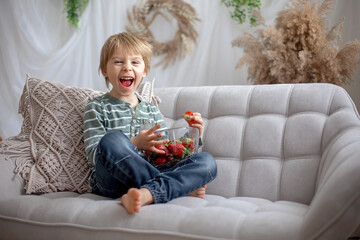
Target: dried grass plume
(298, 49)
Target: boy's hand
(195, 120)
(146, 140)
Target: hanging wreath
(144, 13)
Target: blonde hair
(131, 43)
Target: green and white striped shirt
(106, 113)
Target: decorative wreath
(144, 13)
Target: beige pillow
(53, 119)
(53, 127)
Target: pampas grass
(298, 49)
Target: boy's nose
(126, 67)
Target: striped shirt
(106, 113)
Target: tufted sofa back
(268, 140)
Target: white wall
(351, 30)
(36, 39)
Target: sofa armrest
(11, 184)
(335, 208)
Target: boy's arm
(94, 129)
(196, 121)
(158, 118)
(147, 139)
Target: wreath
(144, 13)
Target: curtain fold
(36, 39)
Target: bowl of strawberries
(183, 142)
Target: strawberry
(188, 143)
(147, 154)
(176, 149)
(163, 148)
(160, 160)
(169, 158)
(187, 115)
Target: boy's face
(125, 72)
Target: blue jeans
(119, 167)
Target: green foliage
(239, 9)
(74, 9)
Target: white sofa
(288, 168)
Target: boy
(119, 125)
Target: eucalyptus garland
(74, 9)
(241, 9)
(144, 13)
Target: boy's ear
(104, 73)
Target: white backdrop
(36, 39)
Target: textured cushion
(214, 217)
(53, 124)
(53, 129)
(269, 139)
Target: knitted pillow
(53, 127)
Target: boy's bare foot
(135, 198)
(200, 193)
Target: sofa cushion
(268, 140)
(214, 217)
(53, 130)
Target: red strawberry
(188, 143)
(163, 148)
(147, 154)
(170, 158)
(160, 160)
(187, 115)
(176, 149)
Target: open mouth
(126, 81)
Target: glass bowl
(183, 142)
